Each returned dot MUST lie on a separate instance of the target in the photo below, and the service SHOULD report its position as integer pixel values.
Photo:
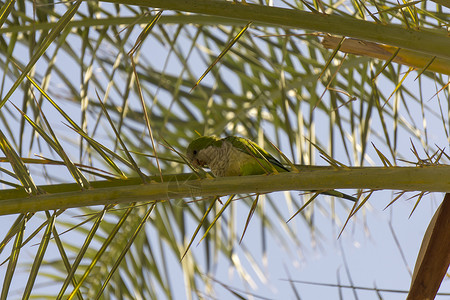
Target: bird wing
(254, 150)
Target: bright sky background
(366, 255)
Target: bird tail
(339, 195)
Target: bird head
(195, 148)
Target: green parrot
(236, 156)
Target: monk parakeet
(236, 156)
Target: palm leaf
(279, 82)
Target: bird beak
(198, 163)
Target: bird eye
(194, 152)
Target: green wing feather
(254, 150)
